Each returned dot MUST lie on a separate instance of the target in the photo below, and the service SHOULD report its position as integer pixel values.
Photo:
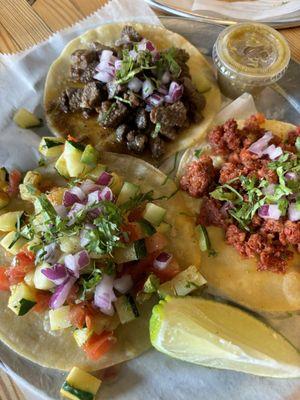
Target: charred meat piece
(171, 115)
(70, 100)
(82, 58)
(157, 147)
(181, 57)
(141, 119)
(136, 143)
(99, 47)
(128, 34)
(92, 95)
(121, 133)
(192, 94)
(113, 89)
(112, 114)
(168, 132)
(84, 75)
(133, 98)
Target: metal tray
(137, 377)
(175, 7)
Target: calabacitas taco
(136, 89)
(82, 254)
(246, 176)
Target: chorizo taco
(137, 89)
(83, 249)
(243, 183)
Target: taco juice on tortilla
(83, 250)
(247, 177)
(137, 89)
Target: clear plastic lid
(254, 53)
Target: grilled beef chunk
(92, 95)
(168, 132)
(192, 95)
(82, 58)
(99, 47)
(171, 115)
(133, 98)
(141, 119)
(121, 133)
(70, 100)
(113, 89)
(129, 34)
(84, 75)
(181, 57)
(112, 114)
(136, 143)
(157, 147)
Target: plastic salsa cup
(249, 57)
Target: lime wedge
(217, 335)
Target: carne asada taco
(247, 177)
(137, 89)
(83, 249)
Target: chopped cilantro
(198, 152)
(204, 241)
(170, 56)
(42, 162)
(297, 144)
(231, 195)
(89, 283)
(156, 131)
(122, 100)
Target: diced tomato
(24, 263)
(4, 283)
(134, 231)
(98, 345)
(77, 315)
(42, 301)
(89, 321)
(15, 177)
(156, 242)
(139, 269)
(167, 273)
(136, 214)
(72, 139)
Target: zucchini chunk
(4, 175)
(90, 156)
(12, 243)
(26, 119)
(146, 227)
(73, 153)
(182, 284)
(9, 220)
(61, 166)
(95, 173)
(134, 251)
(40, 280)
(82, 335)
(4, 199)
(116, 183)
(152, 284)
(22, 299)
(128, 191)
(59, 318)
(51, 147)
(154, 214)
(126, 308)
(80, 385)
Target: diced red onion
(148, 108)
(106, 55)
(61, 210)
(146, 45)
(74, 195)
(123, 284)
(95, 212)
(269, 190)
(155, 99)
(135, 84)
(94, 197)
(228, 205)
(155, 56)
(77, 262)
(162, 90)
(133, 54)
(162, 260)
(269, 211)
(104, 295)
(293, 212)
(291, 176)
(76, 208)
(148, 88)
(104, 179)
(83, 239)
(165, 79)
(104, 76)
(89, 186)
(61, 293)
(175, 92)
(57, 274)
(106, 194)
(50, 253)
(118, 64)
(261, 144)
(273, 152)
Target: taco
(82, 253)
(131, 89)
(244, 186)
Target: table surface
(26, 22)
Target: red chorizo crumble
(270, 241)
